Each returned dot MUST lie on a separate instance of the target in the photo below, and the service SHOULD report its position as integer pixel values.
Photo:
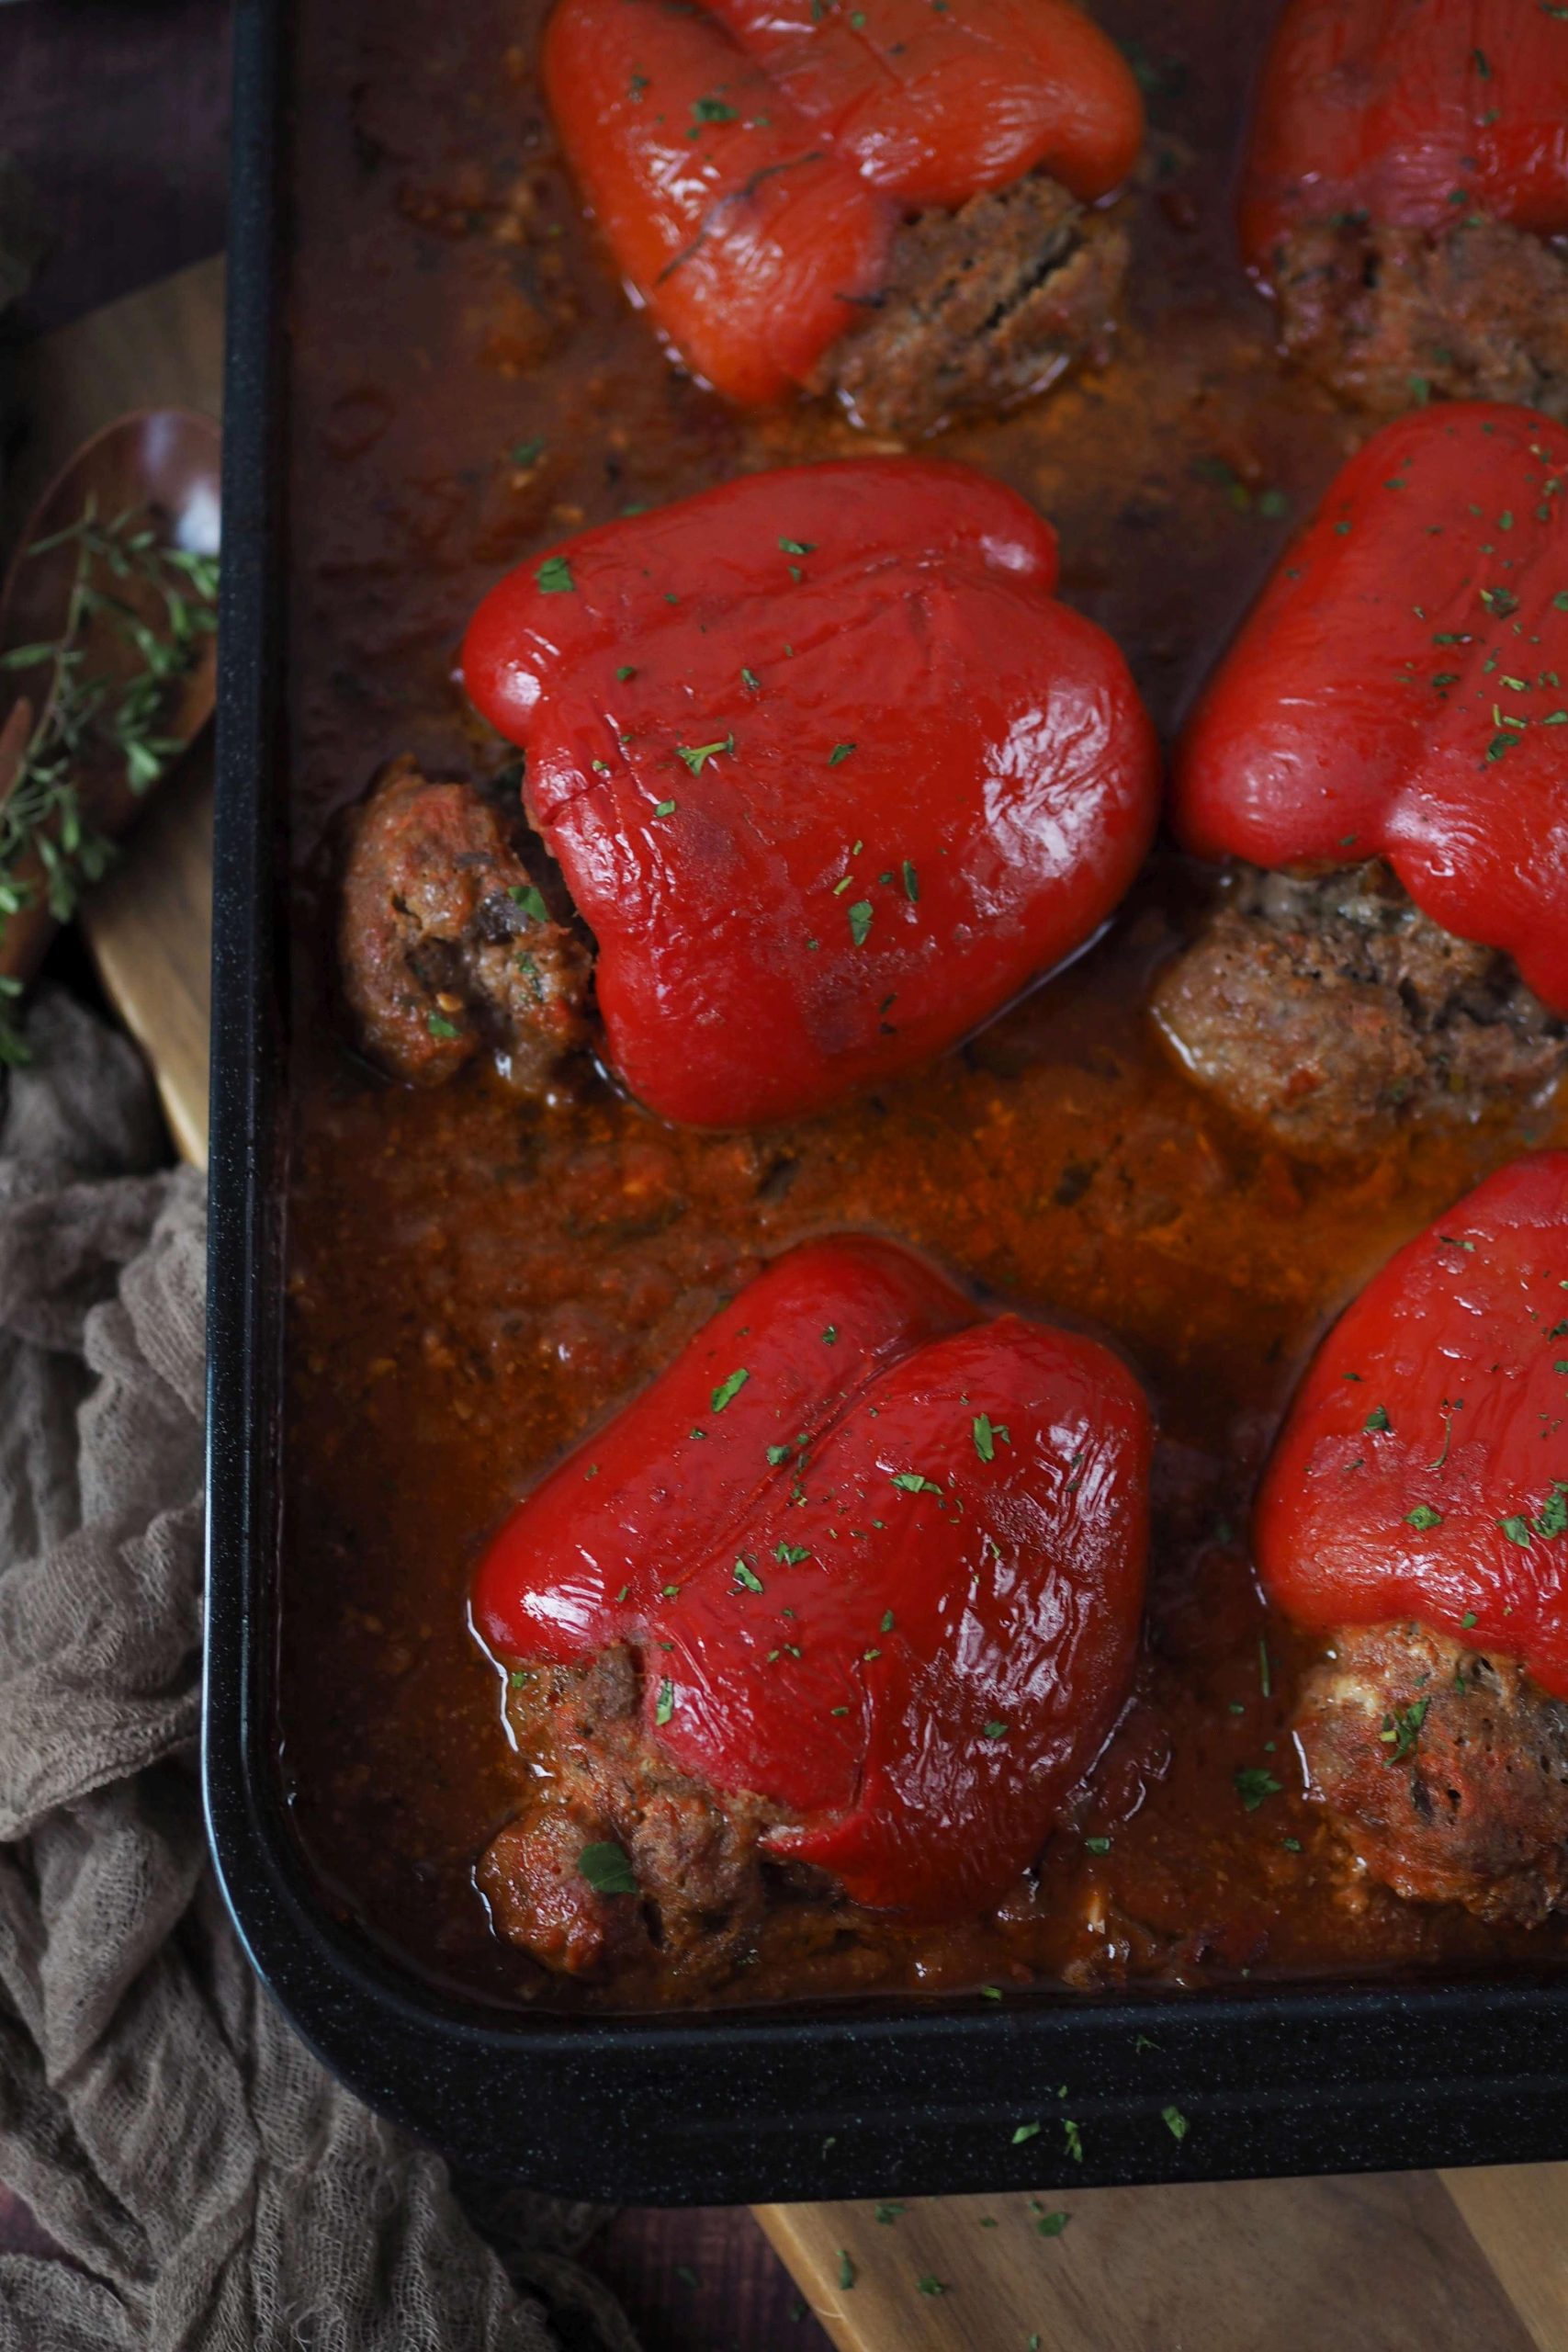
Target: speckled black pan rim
(847, 2101)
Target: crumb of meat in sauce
(1391, 316)
(982, 306)
(445, 943)
(1446, 1768)
(601, 1781)
(1330, 1010)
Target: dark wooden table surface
(117, 109)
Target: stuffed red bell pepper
(848, 1599)
(1415, 1513)
(1385, 745)
(1409, 163)
(829, 773)
(884, 202)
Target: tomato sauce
(472, 1283)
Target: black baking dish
(835, 2101)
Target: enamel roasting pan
(851, 2100)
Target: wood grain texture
(1383, 2263)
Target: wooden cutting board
(1409, 2262)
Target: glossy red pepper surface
(1402, 686)
(883, 1559)
(1413, 112)
(748, 163)
(1423, 1471)
(830, 773)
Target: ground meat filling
(602, 1781)
(1445, 1768)
(446, 944)
(1330, 1010)
(1390, 316)
(982, 306)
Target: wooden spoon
(161, 463)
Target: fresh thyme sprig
(43, 821)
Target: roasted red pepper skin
(747, 165)
(1412, 112)
(1423, 1469)
(912, 1630)
(749, 241)
(1401, 688)
(921, 780)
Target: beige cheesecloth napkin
(214, 2188)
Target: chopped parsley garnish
(1423, 1517)
(860, 920)
(607, 1870)
(1025, 2131)
(1073, 2139)
(727, 1390)
(666, 1706)
(792, 1555)
(526, 453)
(746, 1577)
(1097, 1845)
(554, 576)
(838, 755)
(777, 1453)
(1175, 2121)
(1402, 1729)
(913, 1484)
(697, 755)
(986, 1435)
(831, 1335)
(846, 2268)
(1051, 2225)
(995, 1729)
(911, 882)
(530, 899)
(748, 678)
(930, 2286)
(1377, 1419)
(1553, 1516)
(1516, 1530)
(439, 1026)
(797, 547)
(664, 809)
(627, 670)
(888, 2214)
(1252, 1783)
(886, 1624)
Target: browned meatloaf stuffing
(601, 1781)
(1446, 1769)
(1330, 1010)
(1392, 316)
(982, 306)
(446, 944)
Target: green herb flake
(931, 2285)
(439, 1026)
(1097, 1845)
(1025, 2131)
(666, 1706)
(838, 755)
(1253, 1783)
(988, 1434)
(1073, 2139)
(1377, 1420)
(727, 1390)
(713, 110)
(792, 1555)
(1423, 1519)
(1516, 1530)
(697, 755)
(1402, 1729)
(607, 1870)
(554, 577)
(526, 453)
(529, 900)
(912, 883)
(887, 2214)
(1175, 2122)
(746, 1577)
(797, 547)
(846, 2268)
(914, 1484)
(860, 921)
(664, 808)
(995, 1729)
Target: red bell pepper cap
(829, 773)
(1401, 688)
(883, 1559)
(1423, 1470)
(1413, 112)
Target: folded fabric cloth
(213, 2188)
